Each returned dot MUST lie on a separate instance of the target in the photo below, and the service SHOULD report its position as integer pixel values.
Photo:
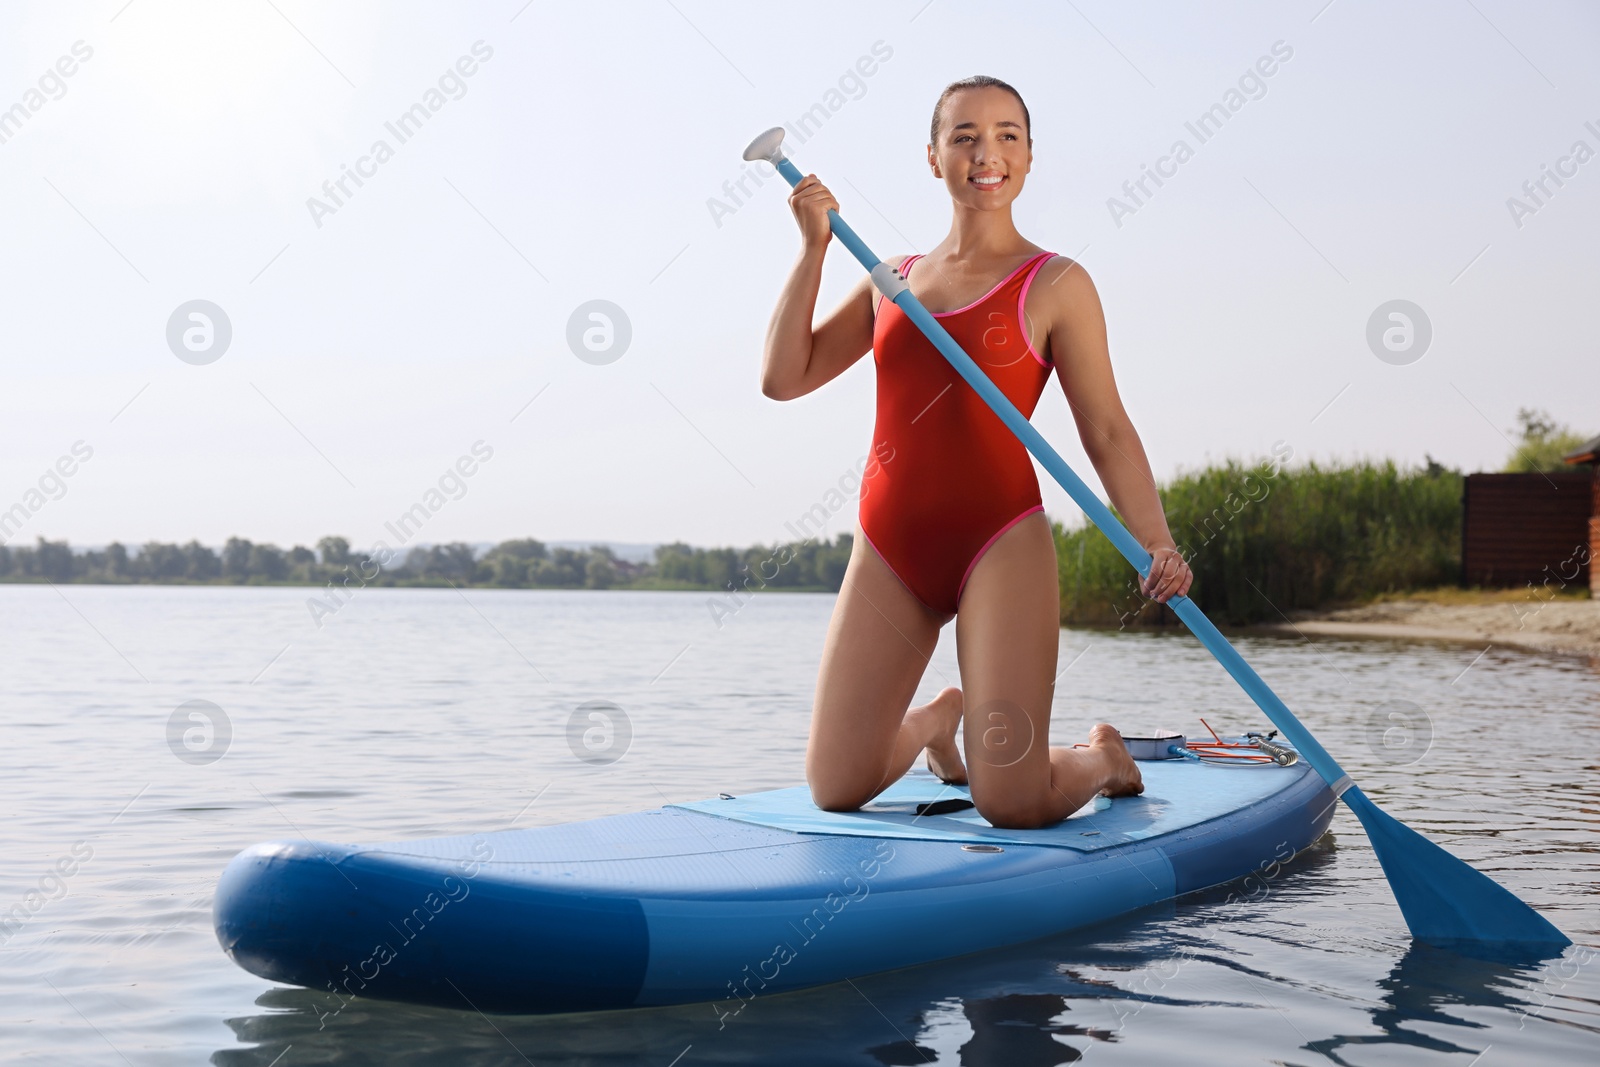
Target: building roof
(1584, 453)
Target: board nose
(356, 922)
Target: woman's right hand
(810, 201)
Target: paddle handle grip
(1098, 513)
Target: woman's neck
(982, 235)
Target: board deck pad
(1177, 794)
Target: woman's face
(982, 152)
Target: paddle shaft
(896, 290)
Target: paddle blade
(1444, 901)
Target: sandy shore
(1506, 619)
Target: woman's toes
(947, 765)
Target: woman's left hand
(1170, 576)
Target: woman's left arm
(1076, 327)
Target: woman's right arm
(799, 357)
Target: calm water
(412, 713)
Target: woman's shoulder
(1062, 294)
(1062, 278)
(1058, 266)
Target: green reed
(1267, 540)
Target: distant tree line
(1262, 539)
(518, 564)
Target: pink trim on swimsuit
(896, 573)
(1022, 316)
(906, 266)
(997, 535)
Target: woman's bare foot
(943, 713)
(1125, 779)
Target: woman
(951, 524)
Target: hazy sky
(377, 338)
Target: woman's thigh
(879, 642)
(1007, 636)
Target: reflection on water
(1022, 1028)
(412, 713)
(1426, 981)
(1028, 1006)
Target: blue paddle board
(723, 900)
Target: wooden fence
(1521, 528)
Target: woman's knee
(1011, 812)
(838, 796)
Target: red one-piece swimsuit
(947, 476)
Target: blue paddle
(1444, 901)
